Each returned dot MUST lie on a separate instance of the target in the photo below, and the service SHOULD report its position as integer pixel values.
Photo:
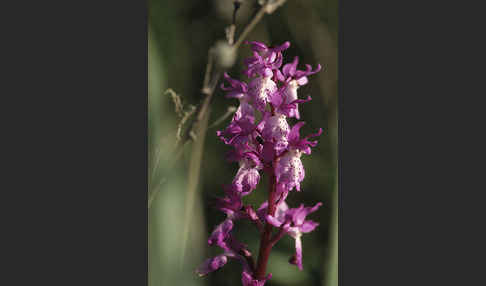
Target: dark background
(179, 36)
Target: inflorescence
(271, 146)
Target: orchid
(294, 223)
(269, 147)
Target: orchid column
(270, 147)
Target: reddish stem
(265, 241)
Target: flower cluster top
(267, 145)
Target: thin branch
(187, 115)
(209, 67)
(228, 113)
(177, 101)
(268, 8)
(231, 29)
(236, 5)
(250, 26)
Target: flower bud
(224, 54)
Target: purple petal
(282, 47)
(308, 71)
(262, 210)
(289, 170)
(211, 264)
(308, 226)
(302, 81)
(251, 213)
(259, 90)
(299, 215)
(279, 75)
(294, 134)
(220, 233)
(276, 98)
(246, 180)
(276, 130)
(289, 69)
(257, 46)
(282, 208)
(297, 257)
(277, 63)
(315, 207)
(273, 221)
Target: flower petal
(308, 226)
(220, 233)
(296, 259)
(211, 264)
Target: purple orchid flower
(237, 89)
(289, 168)
(293, 79)
(231, 204)
(232, 249)
(260, 90)
(294, 223)
(264, 59)
(276, 130)
(247, 177)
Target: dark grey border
(77, 155)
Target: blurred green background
(180, 34)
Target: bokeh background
(180, 34)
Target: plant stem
(265, 241)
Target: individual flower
(212, 264)
(232, 249)
(264, 59)
(296, 143)
(237, 89)
(221, 233)
(294, 223)
(231, 204)
(276, 130)
(260, 89)
(282, 105)
(243, 120)
(289, 169)
(293, 79)
(247, 177)
(238, 130)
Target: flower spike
(261, 140)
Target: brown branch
(228, 113)
(268, 8)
